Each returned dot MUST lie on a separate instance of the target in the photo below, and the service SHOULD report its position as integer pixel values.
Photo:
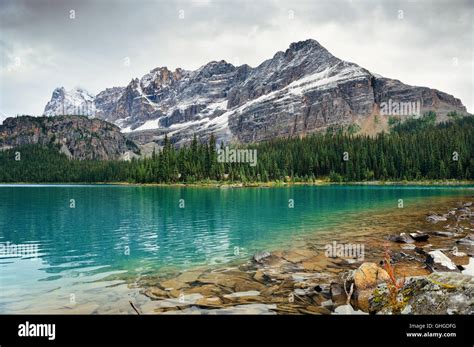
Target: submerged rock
(402, 238)
(435, 218)
(468, 240)
(443, 233)
(260, 256)
(419, 236)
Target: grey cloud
(89, 50)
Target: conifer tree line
(414, 150)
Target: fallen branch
(133, 306)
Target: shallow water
(67, 256)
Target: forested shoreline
(415, 150)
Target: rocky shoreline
(428, 271)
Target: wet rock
(231, 279)
(408, 247)
(261, 256)
(156, 293)
(435, 218)
(419, 236)
(189, 276)
(242, 294)
(438, 293)
(313, 264)
(439, 261)
(206, 290)
(456, 253)
(468, 240)
(443, 233)
(338, 295)
(316, 310)
(329, 304)
(172, 284)
(294, 257)
(402, 238)
(469, 268)
(260, 276)
(368, 275)
(209, 302)
(347, 309)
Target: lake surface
(63, 244)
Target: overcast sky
(43, 44)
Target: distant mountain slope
(76, 136)
(299, 91)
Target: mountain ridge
(298, 91)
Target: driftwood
(133, 306)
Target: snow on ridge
(326, 78)
(144, 96)
(149, 124)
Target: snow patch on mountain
(76, 101)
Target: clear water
(129, 230)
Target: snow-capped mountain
(299, 91)
(76, 101)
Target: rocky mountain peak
(76, 101)
(76, 136)
(214, 68)
(306, 44)
(59, 92)
(298, 91)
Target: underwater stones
(402, 238)
(434, 218)
(293, 257)
(209, 302)
(468, 240)
(312, 264)
(443, 233)
(205, 290)
(172, 284)
(188, 276)
(259, 275)
(419, 236)
(156, 293)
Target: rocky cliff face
(299, 91)
(77, 136)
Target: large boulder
(438, 293)
(369, 275)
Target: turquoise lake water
(130, 229)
